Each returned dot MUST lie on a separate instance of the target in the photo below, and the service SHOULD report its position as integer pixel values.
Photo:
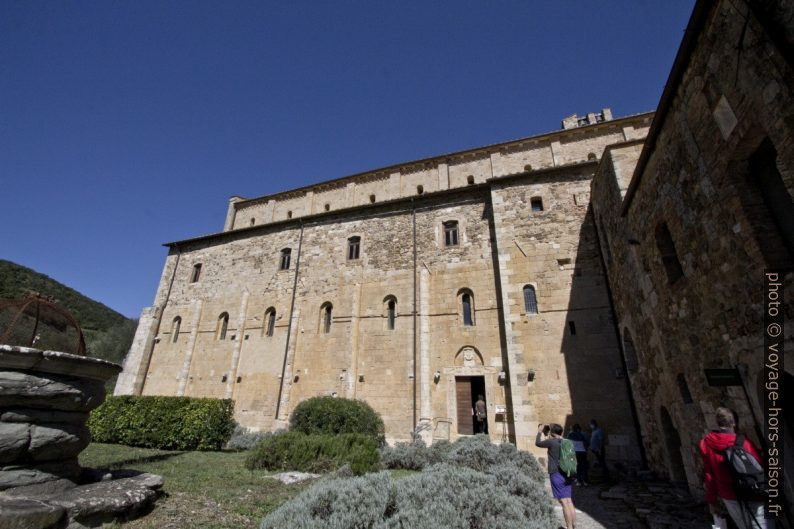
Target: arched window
(196, 273)
(390, 309)
(327, 207)
(223, 325)
(470, 179)
(285, 257)
(536, 203)
(420, 190)
(451, 233)
(326, 311)
(289, 214)
(175, 329)
(466, 307)
(270, 321)
(664, 242)
(353, 247)
(530, 300)
(253, 221)
(591, 156)
(372, 198)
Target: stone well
(45, 397)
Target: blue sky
(127, 124)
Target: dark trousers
(602, 462)
(482, 426)
(582, 467)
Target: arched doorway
(672, 444)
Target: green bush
(331, 415)
(315, 453)
(168, 423)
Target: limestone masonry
(492, 271)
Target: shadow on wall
(594, 365)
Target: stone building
(592, 272)
(691, 218)
(414, 287)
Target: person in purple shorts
(560, 485)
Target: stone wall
(705, 312)
(412, 374)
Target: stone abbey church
(598, 271)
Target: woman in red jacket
(747, 514)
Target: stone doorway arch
(467, 363)
(672, 445)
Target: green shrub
(441, 496)
(330, 415)
(168, 423)
(315, 453)
(244, 439)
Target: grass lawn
(206, 490)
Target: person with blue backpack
(561, 464)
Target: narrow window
(253, 221)
(591, 156)
(572, 328)
(467, 307)
(223, 325)
(353, 247)
(470, 179)
(289, 214)
(451, 233)
(420, 190)
(683, 388)
(391, 312)
(325, 313)
(372, 198)
(769, 208)
(196, 273)
(175, 329)
(285, 256)
(536, 203)
(530, 300)
(270, 318)
(664, 242)
(632, 363)
(328, 207)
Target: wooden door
(463, 400)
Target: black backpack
(749, 478)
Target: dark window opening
(530, 300)
(223, 325)
(328, 207)
(372, 198)
(289, 214)
(353, 247)
(175, 329)
(466, 303)
(536, 203)
(196, 273)
(326, 314)
(664, 242)
(285, 257)
(451, 233)
(420, 190)
(683, 388)
(769, 208)
(253, 221)
(391, 309)
(591, 156)
(271, 321)
(572, 328)
(470, 179)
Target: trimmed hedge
(315, 453)
(168, 423)
(331, 415)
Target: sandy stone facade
(593, 272)
(691, 219)
(421, 320)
